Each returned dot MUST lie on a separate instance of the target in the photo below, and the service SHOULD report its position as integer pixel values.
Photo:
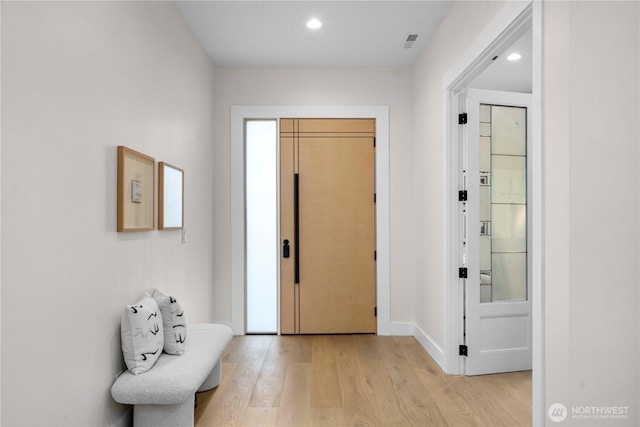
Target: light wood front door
(327, 187)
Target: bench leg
(179, 415)
(213, 380)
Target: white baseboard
(401, 329)
(434, 350)
(412, 330)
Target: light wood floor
(354, 380)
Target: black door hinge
(375, 255)
(374, 142)
(462, 272)
(462, 195)
(462, 118)
(463, 350)
(375, 311)
(375, 198)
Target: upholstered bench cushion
(175, 379)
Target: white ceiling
(274, 33)
(354, 33)
(505, 75)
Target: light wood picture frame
(136, 191)
(170, 197)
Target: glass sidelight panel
(261, 222)
(503, 203)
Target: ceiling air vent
(410, 40)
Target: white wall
(78, 79)
(463, 22)
(591, 74)
(327, 86)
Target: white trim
(410, 329)
(241, 112)
(499, 30)
(434, 350)
(537, 219)
(402, 329)
(503, 28)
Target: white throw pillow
(142, 335)
(175, 323)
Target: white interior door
(496, 230)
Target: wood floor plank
(430, 416)
(507, 397)
(268, 387)
(392, 411)
(349, 380)
(207, 402)
(410, 390)
(295, 404)
(325, 385)
(455, 409)
(247, 348)
(359, 404)
(282, 351)
(327, 417)
(230, 405)
(259, 417)
(291, 348)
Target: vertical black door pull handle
(296, 227)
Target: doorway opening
(241, 114)
(511, 24)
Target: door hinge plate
(462, 195)
(463, 350)
(462, 118)
(462, 272)
(375, 311)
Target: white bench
(165, 395)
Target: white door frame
(506, 27)
(240, 113)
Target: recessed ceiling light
(514, 56)
(314, 23)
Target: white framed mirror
(171, 197)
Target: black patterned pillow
(142, 335)
(175, 323)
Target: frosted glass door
(503, 203)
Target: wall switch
(184, 235)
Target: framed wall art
(136, 195)
(171, 197)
